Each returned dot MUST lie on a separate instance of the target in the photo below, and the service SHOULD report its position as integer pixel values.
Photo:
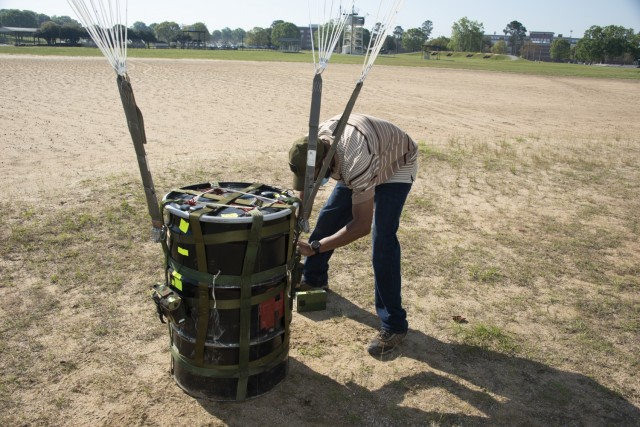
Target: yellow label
(183, 251)
(184, 225)
(229, 215)
(177, 283)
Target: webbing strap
(231, 236)
(251, 254)
(292, 264)
(217, 199)
(226, 280)
(337, 135)
(234, 304)
(257, 366)
(203, 287)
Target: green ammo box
(311, 300)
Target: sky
(566, 17)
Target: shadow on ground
(530, 393)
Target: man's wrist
(315, 245)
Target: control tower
(353, 41)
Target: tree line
(64, 29)
(599, 44)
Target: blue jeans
(335, 214)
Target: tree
(611, 43)
(413, 40)
(194, 35)
(618, 41)
(205, 35)
(440, 43)
(367, 35)
(516, 33)
(64, 20)
(398, 32)
(216, 36)
(284, 30)
(530, 50)
(41, 18)
(560, 50)
(486, 44)
(427, 29)
(389, 45)
(139, 26)
(238, 35)
(227, 35)
(18, 18)
(49, 31)
(500, 47)
(168, 31)
(140, 31)
(466, 36)
(591, 47)
(273, 25)
(72, 33)
(258, 37)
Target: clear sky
(558, 16)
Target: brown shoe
(385, 342)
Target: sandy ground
(61, 123)
(62, 120)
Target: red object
(271, 312)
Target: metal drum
(229, 251)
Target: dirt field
(505, 159)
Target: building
(539, 46)
(17, 35)
(306, 34)
(353, 41)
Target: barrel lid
(230, 202)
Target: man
(375, 164)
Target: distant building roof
(17, 30)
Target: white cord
(328, 34)
(104, 23)
(379, 35)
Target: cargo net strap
(251, 254)
(203, 287)
(221, 197)
(254, 367)
(230, 236)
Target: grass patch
(458, 60)
(487, 337)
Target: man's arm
(359, 227)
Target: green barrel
(230, 256)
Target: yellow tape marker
(230, 215)
(183, 251)
(184, 225)
(176, 280)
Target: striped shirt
(371, 152)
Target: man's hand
(359, 227)
(305, 248)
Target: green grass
(497, 63)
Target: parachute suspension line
(328, 35)
(104, 23)
(383, 28)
